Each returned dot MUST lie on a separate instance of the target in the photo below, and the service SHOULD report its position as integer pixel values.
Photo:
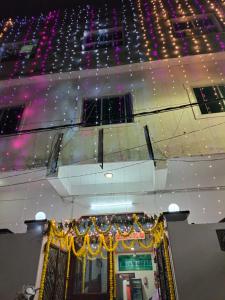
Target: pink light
(20, 141)
(28, 112)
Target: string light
(8, 24)
(149, 36)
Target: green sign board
(135, 262)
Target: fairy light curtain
(135, 33)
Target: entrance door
(55, 275)
(88, 279)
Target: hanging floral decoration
(111, 275)
(168, 268)
(89, 238)
(67, 273)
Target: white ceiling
(192, 184)
(89, 179)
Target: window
(211, 99)
(107, 110)
(10, 118)
(102, 38)
(17, 51)
(202, 24)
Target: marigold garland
(146, 247)
(91, 258)
(130, 246)
(99, 230)
(59, 233)
(111, 247)
(78, 232)
(102, 256)
(82, 250)
(45, 265)
(114, 277)
(168, 268)
(67, 273)
(66, 241)
(97, 252)
(150, 230)
(92, 223)
(111, 286)
(125, 234)
(95, 257)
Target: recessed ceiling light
(173, 207)
(108, 175)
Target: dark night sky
(35, 7)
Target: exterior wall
(145, 26)
(199, 263)
(64, 76)
(57, 101)
(19, 258)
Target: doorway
(89, 278)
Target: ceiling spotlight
(173, 207)
(108, 175)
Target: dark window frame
(190, 23)
(94, 40)
(15, 49)
(127, 111)
(3, 118)
(210, 98)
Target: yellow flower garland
(99, 230)
(114, 277)
(168, 268)
(82, 250)
(45, 265)
(67, 273)
(111, 286)
(150, 230)
(111, 247)
(103, 257)
(64, 240)
(146, 247)
(57, 232)
(61, 234)
(97, 252)
(128, 247)
(76, 230)
(125, 234)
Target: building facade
(120, 67)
